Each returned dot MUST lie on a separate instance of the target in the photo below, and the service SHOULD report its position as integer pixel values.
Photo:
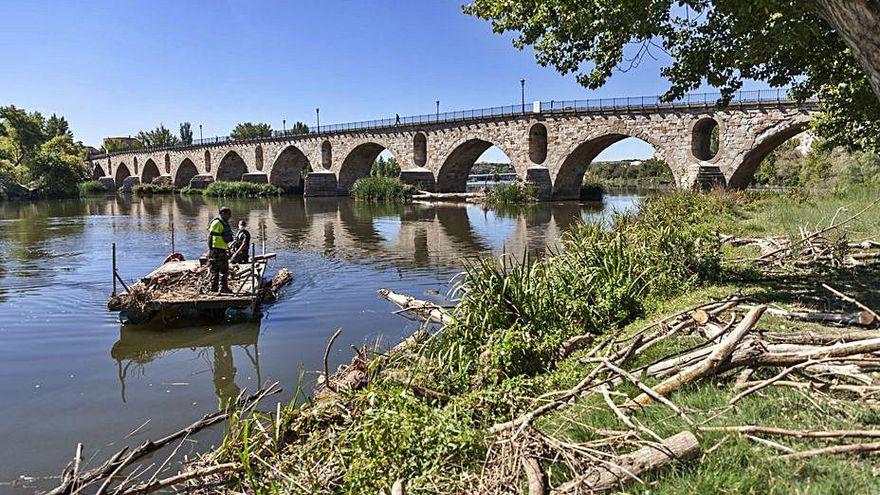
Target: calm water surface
(69, 372)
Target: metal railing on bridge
(594, 105)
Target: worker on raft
(241, 245)
(219, 238)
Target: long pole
(522, 84)
(318, 116)
(113, 247)
(263, 231)
(201, 137)
(438, 109)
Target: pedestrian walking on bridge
(219, 238)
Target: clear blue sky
(113, 68)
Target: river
(69, 372)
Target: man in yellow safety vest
(219, 237)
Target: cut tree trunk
(858, 23)
(681, 446)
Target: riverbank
(523, 347)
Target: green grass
(379, 189)
(240, 190)
(500, 353)
(514, 193)
(151, 189)
(91, 188)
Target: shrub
(514, 193)
(151, 189)
(513, 315)
(378, 189)
(241, 190)
(92, 187)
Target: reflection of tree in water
(137, 347)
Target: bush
(151, 189)
(515, 193)
(380, 189)
(513, 315)
(91, 188)
(241, 190)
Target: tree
(186, 133)
(249, 130)
(827, 48)
(158, 137)
(298, 128)
(121, 144)
(385, 168)
(40, 153)
(57, 126)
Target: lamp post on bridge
(318, 117)
(201, 138)
(438, 109)
(283, 127)
(522, 85)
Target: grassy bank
(514, 193)
(91, 188)
(151, 189)
(380, 189)
(237, 190)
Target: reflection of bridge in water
(410, 235)
(137, 347)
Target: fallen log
(454, 196)
(428, 311)
(281, 279)
(819, 338)
(854, 319)
(823, 434)
(720, 353)
(856, 448)
(617, 472)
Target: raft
(179, 289)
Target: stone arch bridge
(550, 144)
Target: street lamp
(201, 138)
(318, 116)
(284, 127)
(438, 109)
(522, 85)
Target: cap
(225, 208)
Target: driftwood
(124, 458)
(432, 196)
(281, 279)
(722, 351)
(428, 311)
(855, 319)
(681, 446)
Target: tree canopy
(249, 130)
(158, 137)
(39, 153)
(186, 133)
(818, 47)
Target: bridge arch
(575, 162)
(150, 171)
(420, 149)
(358, 162)
(231, 167)
(289, 168)
(326, 154)
(122, 173)
(744, 171)
(258, 157)
(538, 143)
(97, 171)
(456, 166)
(185, 172)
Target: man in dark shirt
(241, 245)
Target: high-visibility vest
(220, 232)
